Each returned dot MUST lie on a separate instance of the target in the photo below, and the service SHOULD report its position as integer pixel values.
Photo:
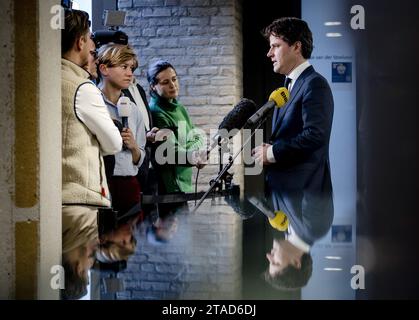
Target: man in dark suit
(297, 157)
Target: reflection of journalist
(297, 158)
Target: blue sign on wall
(341, 71)
(342, 233)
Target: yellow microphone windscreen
(280, 222)
(280, 96)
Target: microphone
(235, 119)
(242, 207)
(124, 110)
(280, 221)
(277, 219)
(278, 98)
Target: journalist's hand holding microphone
(128, 139)
(130, 143)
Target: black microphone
(278, 98)
(124, 109)
(235, 119)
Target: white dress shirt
(295, 240)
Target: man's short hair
(291, 30)
(76, 25)
(292, 278)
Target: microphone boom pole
(278, 98)
(224, 170)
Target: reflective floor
(216, 253)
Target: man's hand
(260, 154)
(151, 135)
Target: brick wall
(203, 41)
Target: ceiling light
(333, 34)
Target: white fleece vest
(83, 170)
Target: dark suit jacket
(300, 178)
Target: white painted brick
(149, 32)
(148, 3)
(172, 21)
(180, 12)
(195, 101)
(163, 43)
(172, 52)
(194, 21)
(196, 71)
(223, 60)
(194, 41)
(226, 50)
(203, 91)
(156, 12)
(194, 3)
(148, 267)
(222, 81)
(171, 2)
(226, 90)
(122, 4)
(202, 12)
(227, 11)
(222, 2)
(227, 31)
(222, 21)
(226, 100)
(196, 31)
(228, 71)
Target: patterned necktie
(287, 83)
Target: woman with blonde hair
(116, 63)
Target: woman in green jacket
(183, 147)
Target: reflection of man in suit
(297, 158)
